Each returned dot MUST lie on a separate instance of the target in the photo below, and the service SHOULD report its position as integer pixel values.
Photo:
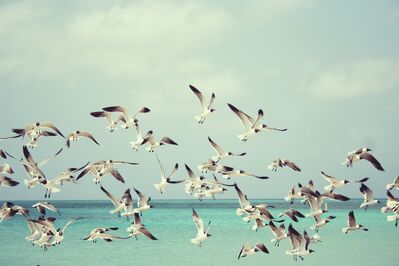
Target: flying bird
(352, 226)
(110, 120)
(139, 139)
(35, 129)
(278, 232)
(127, 119)
(252, 126)
(202, 232)
(206, 109)
(368, 197)
(153, 145)
(362, 154)
(165, 180)
(248, 250)
(125, 203)
(42, 206)
(74, 136)
(137, 228)
(394, 184)
(6, 181)
(283, 163)
(220, 153)
(102, 233)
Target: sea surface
(170, 221)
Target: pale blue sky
(326, 70)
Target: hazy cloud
(353, 80)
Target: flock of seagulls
(44, 232)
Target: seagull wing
(198, 222)
(351, 219)
(216, 147)
(245, 119)
(199, 96)
(367, 156)
(114, 200)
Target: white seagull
(137, 228)
(221, 153)
(352, 226)
(125, 116)
(248, 250)
(165, 180)
(202, 233)
(74, 136)
(206, 109)
(252, 126)
(394, 184)
(153, 145)
(368, 197)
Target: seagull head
(212, 110)
(37, 124)
(347, 181)
(311, 251)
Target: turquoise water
(170, 221)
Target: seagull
(42, 206)
(165, 180)
(392, 203)
(360, 154)
(125, 116)
(292, 214)
(252, 126)
(143, 203)
(394, 184)
(258, 224)
(321, 222)
(35, 129)
(6, 181)
(212, 166)
(153, 145)
(206, 109)
(6, 169)
(36, 229)
(238, 173)
(102, 233)
(278, 232)
(300, 243)
(193, 182)
(8, 210)
(202, 233)
(293, 194)
(137, 228)
(283, 163)
(74, 136)
(102, 168)
(334, 183)
(66, 175)
(125, 203)
(139, 139)
(368, 197)
(245, 205)
(248, 250)
(111, 122)
(35, 138)
(315, 204)
(58, 233)
(221, 154)
(352, 226)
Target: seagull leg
(365, 209)
(396, 223)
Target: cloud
(354, 80)
(260, 10)
(134, 41)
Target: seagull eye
(37, 124)
(77, 131)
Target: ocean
(170, 221)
